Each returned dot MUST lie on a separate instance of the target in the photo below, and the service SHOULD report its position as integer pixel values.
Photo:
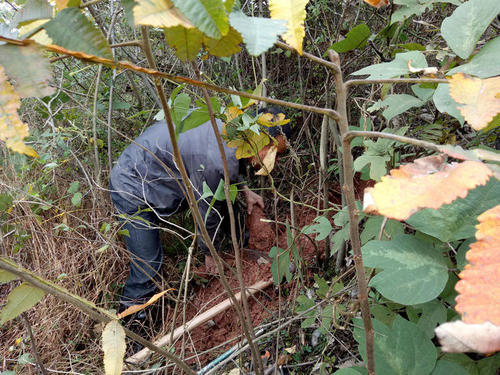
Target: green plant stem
(89, 308)
(191, 199)
(348, 189)
(358, 82)
(350, 135)
(239, 270)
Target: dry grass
(65, 336)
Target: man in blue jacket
(146, 185)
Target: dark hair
(280, 129)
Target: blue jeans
(143, 244)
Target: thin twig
(34, 349)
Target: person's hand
(210, 265)
(252, 199)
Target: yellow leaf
(113, 345)
(426, 183)
(478, 96)
(257, 91)
(478, 290)
(231, 113)
(41, 36)
(251, 144)
(268, 161)
(159, 13)
(133, 309)
(270, 120)
(12, 129)
(294, 12)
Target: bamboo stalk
(169, 338)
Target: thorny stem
(191, 199)
(247, 320)
(89, 308)
(348, 189)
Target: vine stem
(348, 189)
(190, 197)
(247, 319)
(89, 308)
(350, 135)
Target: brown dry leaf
(133, 309)
(12, 129)
(377, 3)
(478, 290)
(459, 337)
(478, 96)
(426, 183)
(268, 161)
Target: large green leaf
(259, 34)
(485, 64)
(228, 45)
(29, 70)
(113, 345)
(70, 29)
(396, 104)
(322, 228)
(445, 103)
(409, 8)
(400, 350)
(412, 270)
(395, 68)
(373, 225)
(355, 38)
(6, 276)
(31, 11)
(468, 22)
(209, 16)
(22, 298)
(444, 367)
(187, 42)
(128, 8)
(457, 220)
(427, 316)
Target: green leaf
(322, 228)
(457, 220)
(6, 277)
(31, 11)
(28, 68)
(395, 68)
(113, 345)
(73, 187)
(198, 116)
(415, 7)
(180, 109)
(351, 371)
(187, 42)
(355, 38)
(485, 63)
(422, 93)
(468, 22)
(128, 8)
(402, 349)
(427, 316)
(412, 271)
(209, 16)
(228, 45)
(445, 104)
(323, 286)
(21, 299)
(259, 34)
(462, 250)
(70, 29)
(373, 225)
(444, 367)
(281, 261)
(220, 195)
(396, 104)
(463, 361)
(489, 365)
(76, 200)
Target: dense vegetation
(401, 100)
